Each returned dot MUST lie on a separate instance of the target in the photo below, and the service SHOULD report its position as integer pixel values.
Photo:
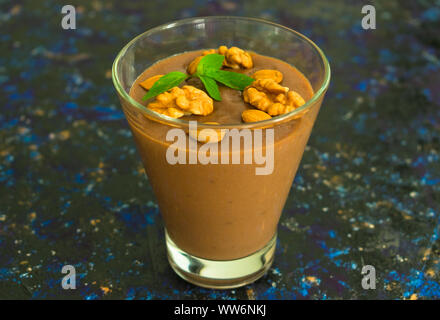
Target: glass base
(220, 274)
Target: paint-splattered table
(72, 189)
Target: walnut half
(252, 115)
(177, 102)
(236, 58)
(271, 97)
(275, 75)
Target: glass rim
(184, 123)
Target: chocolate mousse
(224, 211)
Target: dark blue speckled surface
(72, 189)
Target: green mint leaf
(210, 61)
(234, 80)
(165, 83)
(212, 87)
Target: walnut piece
(275, 75)
(207, 136)
(148, 83)
(253, 115)
(235, 58)
(270, 97)
(170, 112)
(177, 102)
(192, 67)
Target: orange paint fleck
(430, 273)
(251, 294)
(94, 222)
(312, 279)
(106, 290)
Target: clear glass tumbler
(221, 219)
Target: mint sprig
(209, 72)
(234, 80)
(210, 61)
(211, 86)
(165, 83)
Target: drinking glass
(221, 219)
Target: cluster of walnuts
(266, 93)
